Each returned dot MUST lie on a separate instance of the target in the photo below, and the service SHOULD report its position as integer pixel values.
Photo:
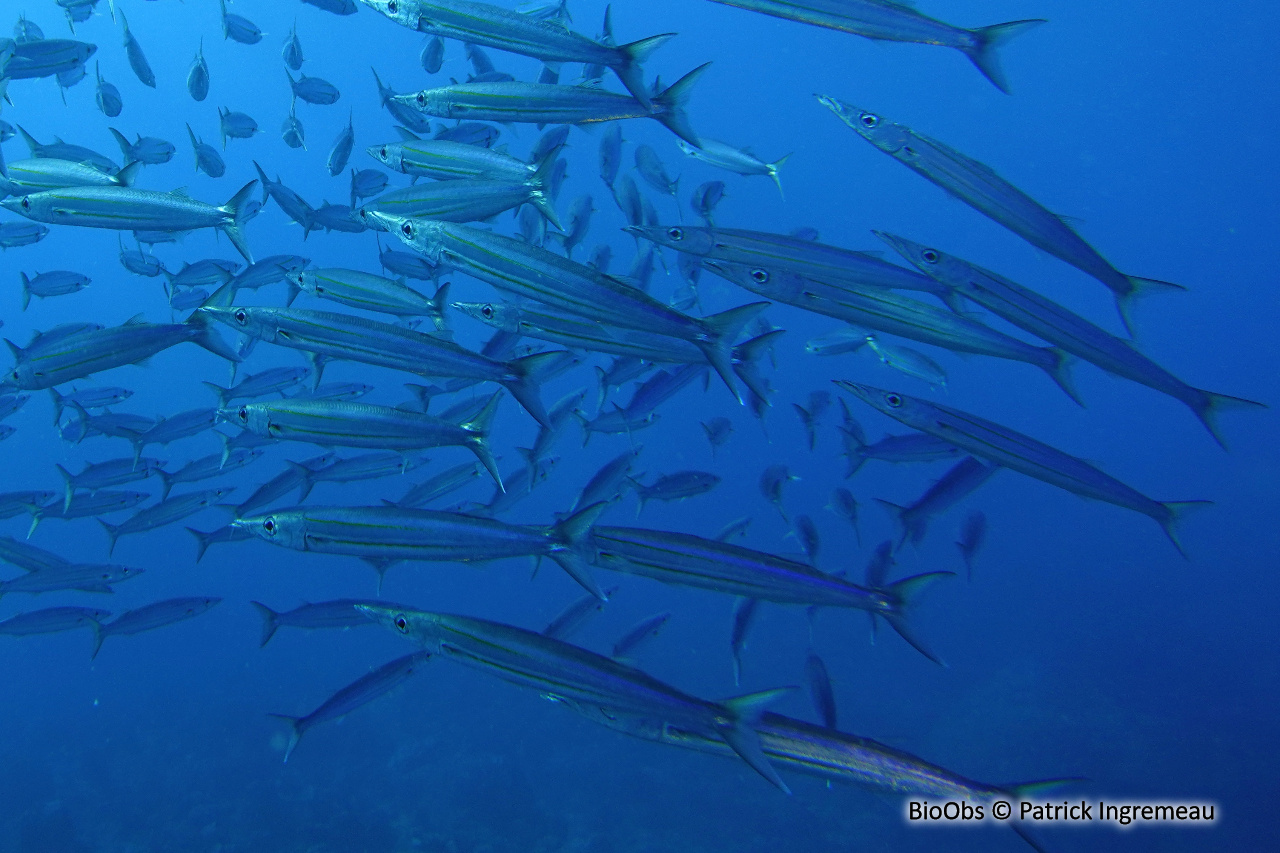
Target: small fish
(292, 131)
(234, 125)
(954, 486)
(838, 342)
(739, 161)
(238, 28)
(819, 684)
(909, 361)
(313, 90)
(432, 56)
(674, 487)
(718, 431)
(108, 96)
(819, 402)
(643, 632)
(610, 154)
(366, 183)
(147, 149)
(150, 617)
(198, 75)
(704, 200)
(649, 166)
(807, 534)
(292, 51)
(771, 483)
(744, 613)
(570, 620)
(341, 151)
(137, 59)
(845, 505)
(972, 533)
(207, 158)
(53, 283)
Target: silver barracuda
(329, 423)
(1070, 332)
(687, 560)
(384, 535)
(528, 271)
(447, 160)
(566, 672)
(167, 511)
(887, 20)
(548, 103)
(886, 311)
(505, 29)
(352, 338)
(467, 200)
(82, 354)
(977, 185)
(833, 756)
(149, 617)
(833, 265)
(1017, 452)
(38, 174)
(130, 209)
(369, 291)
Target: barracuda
(977, 185)
(129, 209)
(384, 535)
(334, 424)
(504, 29)
(683, 559)
(38, 174)
(1072, 333)
(528, 271)
(1017, 452)
(565, 672)
(548, 103)
(352, 338)
(446, 160)
(368, 291)
(886, 311)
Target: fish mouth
(865, 393)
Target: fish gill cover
(601, 349)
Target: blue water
(1083, 646)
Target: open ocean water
(1082, 645)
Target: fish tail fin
(218, 390)
(1027, 790)
(574, 552)
(262, 177)
(744, 713)
(1138, 288)
(59, 403)
(206, 337)
(295, 733)
(195, 144)
(270, 621)
(305, 481)
(26, 290)
(234, 210)
(128, 176)
(540, 181)
(1177, 510)
(66, 476)
(905, 593)
(113, 534)
(98, 637)
(774, 168)
(525, 386)
(1211, 405)
(438, 303)
(165, 476)
(478, 438)
(202, 542)
(672, 104)
(723, 329)
(986, 43)
(635, 55)
(126, 150)
(1059, 367)
(909, 526)
(747, 354)
(29, 139)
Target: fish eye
(930, 256)
(241, 317)
(391, 6)
(384, 151)
(422, 100)
(487, 312)
(270, 526)
(26, 203)
(893, 400)
(869, 120)
(243, 414)
(402, 624)
(407, 228)
(675, 233)
(760, 276)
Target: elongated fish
(505, 29)
(886, 20)
(389, 534)
(978, 185)
(1017, 452)
(52, 619)
(566, 672)
(546, 103)
(358, 693)
(151, 616)
(1050, 321)
(737, 160)
(131, 209)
